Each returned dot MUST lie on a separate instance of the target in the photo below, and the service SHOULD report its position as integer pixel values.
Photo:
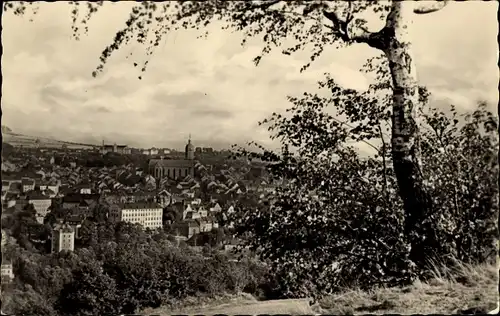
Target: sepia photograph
(251, 157)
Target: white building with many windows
(63, 238)
(149, 215)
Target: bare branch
(429, 7)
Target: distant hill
(5, 129)
(18, 140)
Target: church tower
(189, 149)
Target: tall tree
(315, 24)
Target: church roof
(173, 163)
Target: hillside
(17, 140)
(6, 129)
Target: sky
(209, 88)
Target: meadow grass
(462, 289)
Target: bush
(332, 239)
(337, 220)
(461, 156)
(91, 293)
(25, 301)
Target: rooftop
(78, 197)
(65, 228)
(27, 182)
(119, 146)
(188, 222)
(74, 218)
(174, 163)
(36, 195)
(138, 205)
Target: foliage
(213, 238)
(87, 233)
(122, 270)
(336, 220)
(7, 149)
(24, 227)
(461, 160)
(314, 25)
(91, 293)
(25, 302)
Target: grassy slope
(466, 288)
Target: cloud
(208, 87)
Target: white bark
(404, 76)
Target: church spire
(189, 153)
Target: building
(206, 224)
(188, 210)
(27, 184)
(21, 204)
(187, 228)
(41, 203)
(216, 208)
(149, 215)
(7, 272)
(75, 221)
(81, 201)
(84, 188)
(4, 238)
(135, 197)
(151, 152)
(120, 149)
(5, 185)
(49, 186)
(63, 237)
(202, 211)
(174, 168)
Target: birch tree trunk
(396, 43)
(405, 129)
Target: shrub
(336, 219)
(461, 156)
(91, 293)
(25, 301)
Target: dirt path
(290, 307)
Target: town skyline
(208, 87)
(8, 132)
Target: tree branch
(341, 29)
(427, 7)
(339, 26)
(264, 4)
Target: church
(174, 168)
